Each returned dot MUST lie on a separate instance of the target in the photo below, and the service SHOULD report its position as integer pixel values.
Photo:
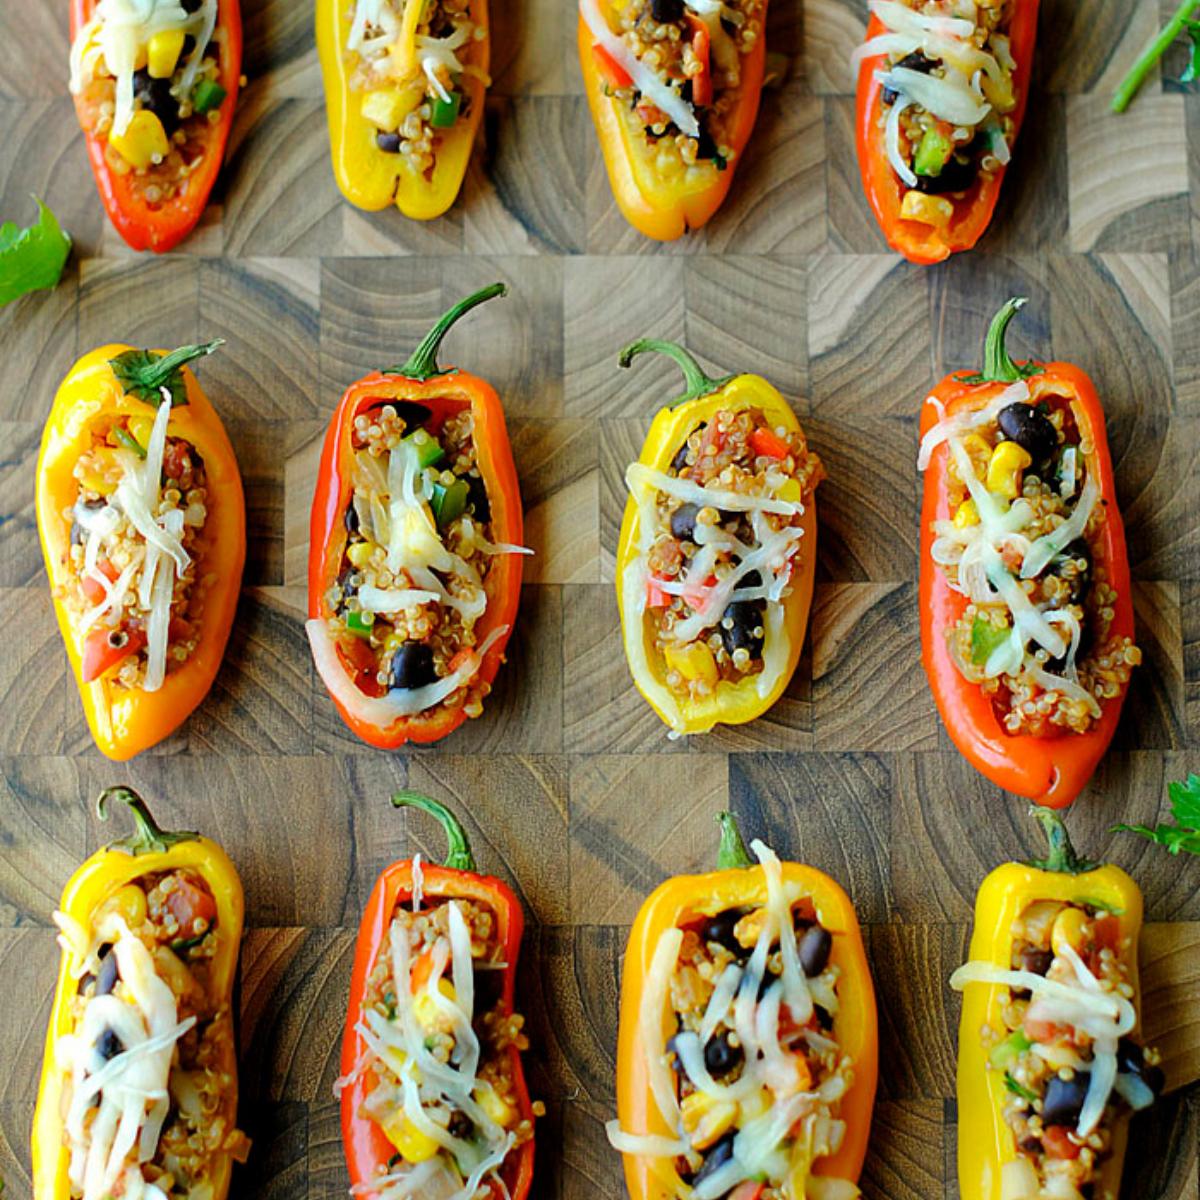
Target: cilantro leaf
(1185, 808)
(33, 258)
(155, 377)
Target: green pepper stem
(422, 363)
(732, 853)
(459, 857)
(165, 367)
(699, 383)
(998, 367)
(147, 837)
(1062, 857)
(1128, 87)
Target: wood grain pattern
(568, 786)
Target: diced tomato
(702, 83)
(361, 662)
(188, 903)
(750, 1190)
(1057, 1144)
(1106, 935)
(177, 460)
(712, 441)
(655, 596)
(696, 594)
(769, 444)
(610, 70)
(1046, 1032)
(93, 591)
(103, 649)
(651, 114)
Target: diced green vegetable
(932, 153)
(429, 450)
(33, 258)
(444, 113)
(450, 502)
(359, 623)
(1017, 1090)
(129, 441)
(1011, 1048)
(986, 637)
(209, 94)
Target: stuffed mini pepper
(747, 1052)
(404, 91)
(1049, 1068)
(1026, 603)
(718, 550)
(155, 84)
(674, 87)
(941, 94)
(143, 529)
(433, 1095)
(138, 1097)
(414, 573)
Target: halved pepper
(660, 206)
(148, 851)
(162, 226)
(125, 721)
(1049, 770)
(738, 885)
(444, 392)
(728, 703)
(917, 241)
(372, 178)
(986, 1144)
(369, 1151)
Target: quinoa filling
(146, 80)
(440, 1038)
(411, 60)
(722, 530)
(675, 72)
(1068, 1063)
(139, 530)
(147, 1102)
(1025, 546)
(947, 99)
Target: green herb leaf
(1185, 801)
(156, 377)
(1185, 808)
(1017, 1089)
(33, 258)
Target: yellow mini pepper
(367, 175)
(985, 1141)
(727, 703)
(148, 851)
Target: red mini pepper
(368, 1149)
(161, 227)
(444, 391)
(918, 242)
(1050, 770)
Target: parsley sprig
(1184, 834)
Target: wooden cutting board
(569, 787)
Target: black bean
(1035, 960)
(1080, 581)
(155, 96)
(191, 6)
(350, 518)
(489, 986)
(108, 1045)
(1031, 429)
(345, 582)
(824, 1019)
(1030, 1145)
(107, 979)
(388, 140)
(720, 929)
(1131, 1060)
(706, 147)
(460, 1125)
(715, 1159)
(413, 415)
(955, 176)
(683, 522)
(815, 946)
(916, 61)
(412, 666)
(477, 498)
(1064, 1098)
(720, 1057)
(680, 459)
(665, 11)
(744, 617)
(751, 579)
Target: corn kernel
(140, 429)
(693, 662)
(163, 51)
(929, 210)
(966, 514)
(142, 142)
(707, 1119)
(129, 903)
(790, 491)
(427, 1013)
(494, 1104)
(102, 472)
(1004, 470)
(387, 107)
(360, 553)
(414, 1145)
(1068, 929)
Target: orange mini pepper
(368, 1148)
(161, 227)
(1050, 770)
(686, 902)
(918, 242)
(91, 400)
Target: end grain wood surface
(567, 784)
